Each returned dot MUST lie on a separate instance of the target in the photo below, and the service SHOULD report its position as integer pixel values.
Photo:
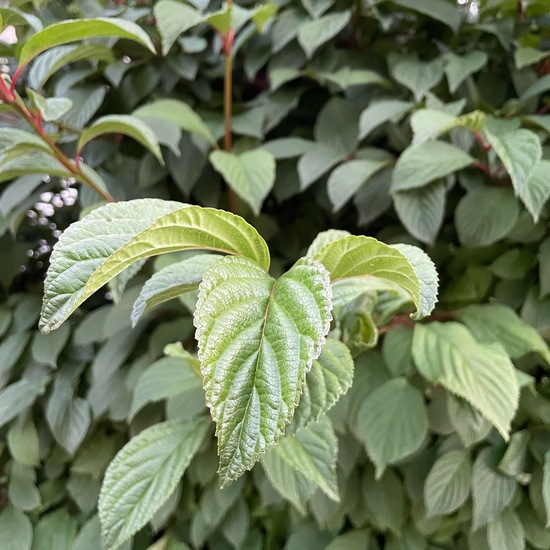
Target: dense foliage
(411, 121)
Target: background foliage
(412, 121)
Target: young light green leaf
(257, 339)
(123, 124)
(174, 18)
(171, 282)
(506, 532)
(485, 215)
(51, 108)
(519, 152)
(313, 34)
(52, 60)
(330, 377)
(499, 323)
(313, 451)
(392, 423)
(325, 237)
(165, 378)
(251, 175)
(79, 29)
(114, 236)
(15, 529)
(427, 162)
(536, 190)
(176, 112)
(449, 355)
(491, 491)
(448, 483)
(144, 474)
(359, 256)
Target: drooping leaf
(330, 377)
(427, 162)
(359, 256)
(459, 67)
(436, 9)
(506, 532)
(499, 323)
(536, 190)
(382, 111)
(519, 152)
(16, 398)
(144, 474)
(485, 215)
(113, 236)
(418, 75)
(15, 529)
(174, 18)
(176, 112)
(251, 175)
(122, 124)
(171, 282)
(392, 422)
(46, 347)
(448, 483)
(336, 127)
(80, 29)
(313, 34)
(448, 354)
(430, 123)
(257, 339)
(51, 108)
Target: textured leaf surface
(80, 29)
(427, 162)
(123, 124)
(171, 282)
(257, 339)
(144, 474)
(100, 246)
(536, 190)
(392, 422)
(506, 532)
(359, 256)
(330, 377)
(448, 483)
(449, 355)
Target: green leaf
(513, 462)
(174, 18)
(251, 175)
(170, 282)
(16, 398)
(52, 108)
(144, 474)
(123, 124)
(449, 355)
(336, 127)
(499, 323)
(11, 137)
(382, 111)
(459, 67)
(422, 210)
(56, 530)
(519, 152)
(288, 147)
(436, 9)
(11, 348)
(546, 486)
(80, 29)
(359, 256)
(492, 492)
(330, 377)
(165, 378)
(312, 451)
(52, 60)
(23, 441)
(352, 540)
(448, 483)
(347, 178)
(176, 112)
(536, 189)
(257, 339)
(46, 348)
(430, 123)
(109, 239)
(485, 215)
(323, 238)
(315, 163)
(396, 349)
(427, 162)
(392, 422)
(523, 57)
(506, 532)
(15, 529)
(313, 34)
(418, 75)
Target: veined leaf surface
(257, 339)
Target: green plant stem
(35, 121)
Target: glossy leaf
(449, 355)
(144, 474)
(80, 29)
(143, 228)
(257, 339)
(122, 124)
